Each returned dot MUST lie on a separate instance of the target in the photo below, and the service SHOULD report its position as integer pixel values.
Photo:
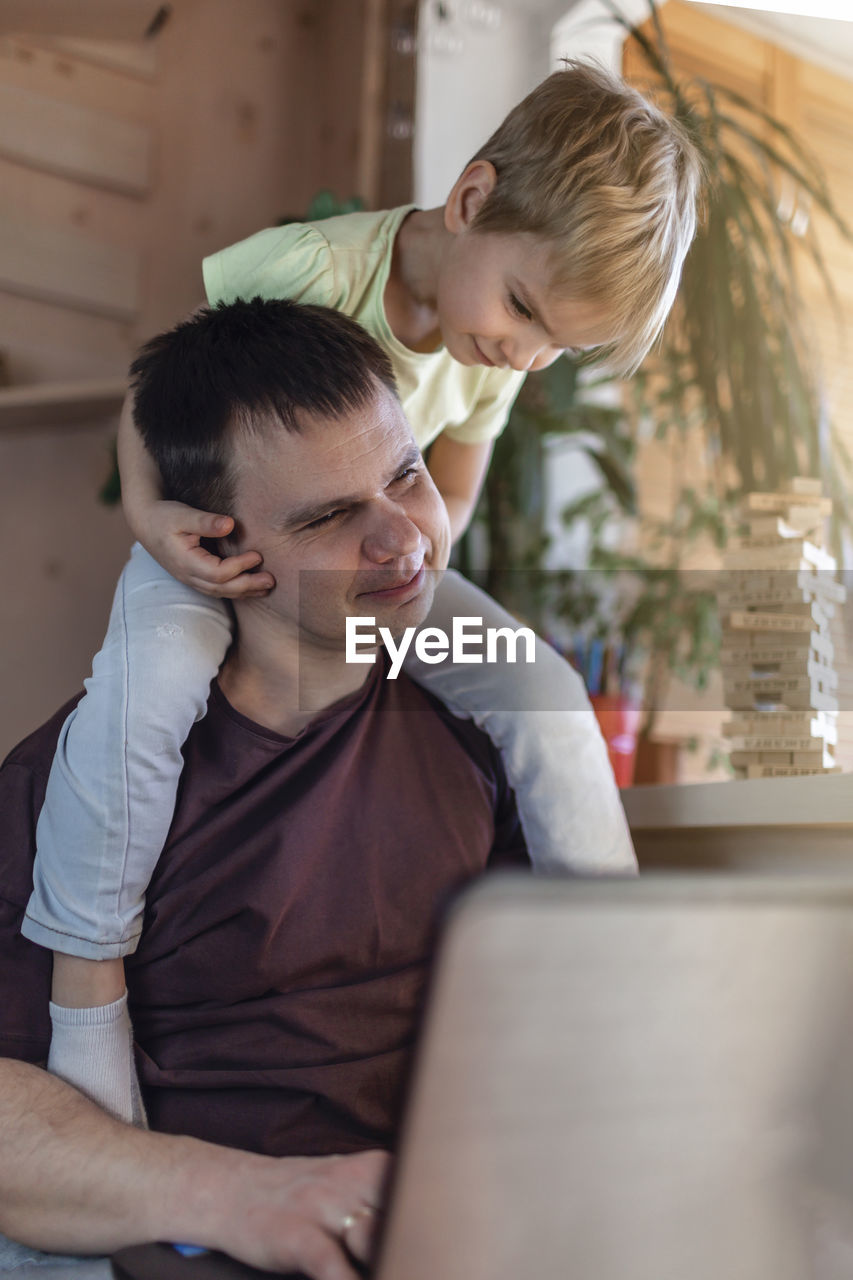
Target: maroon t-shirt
(291, 917)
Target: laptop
(630, 1080)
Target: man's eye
(408, 474)
(519, 308)
(328, 518)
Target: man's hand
(311, 1215)
(74, 1180)
(172, 534)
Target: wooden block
(781, 650)
(773, 699)
(815, 700)
(785, 771)
(819, 611)
(743, 759)
(825, 586)
(782, 742)
(793, 645)
(763, 590)
(797, 553)
(807, 524)
(774, 688)
(781, 503)
(766, 527)
(802, 516)
(62, 266)
(821, 644)
(815, 759)
(825, 758)
(76, 142)
(807, 485)
(743, 620)
(819, 585)
(770, 723)
(816, 672)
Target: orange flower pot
(619, 719)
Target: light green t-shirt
(344, 263)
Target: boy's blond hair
(586, 162)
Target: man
(325, 815)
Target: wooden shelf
(788, 825)
(56, 404)
(818, 801)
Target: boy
(566, 231)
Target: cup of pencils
(603, 668)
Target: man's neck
(284, 682)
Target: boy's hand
(173, 537)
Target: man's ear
(468, 195)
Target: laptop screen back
(645, 1080)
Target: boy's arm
(172, 532)
(458, 471)
(74, 1180)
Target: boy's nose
(522, 356)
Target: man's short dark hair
(245, 366)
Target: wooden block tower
(777, 596)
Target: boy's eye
(519, 308)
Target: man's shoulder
(459, 762)
(35, 753)
(423, 707)
(24, 966)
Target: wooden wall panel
(90, 146)
(131, 57)
(252, 107)
(43, 261)
(54, 68)
(104, 19)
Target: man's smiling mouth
(393, 587)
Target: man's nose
(391, 534)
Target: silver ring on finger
(350, 1219)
